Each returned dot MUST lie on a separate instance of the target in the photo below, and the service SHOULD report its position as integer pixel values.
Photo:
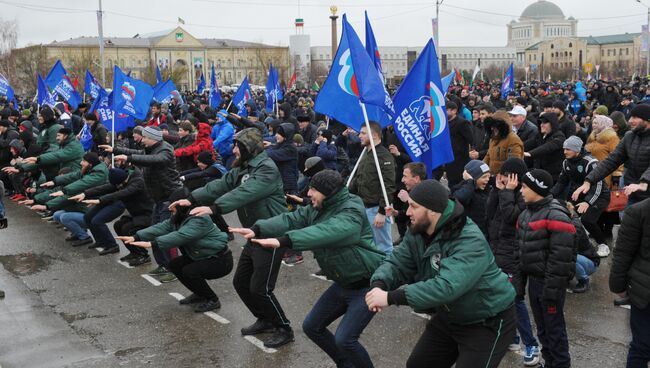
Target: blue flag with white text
(215, 94)
(243, 94)
(158, 75)
(91, 86)
(273, 91)
(353, 79)
(45, 97)
(130, 96)
(5, 88)
(102, 106)
(201, 85)
(164, 92)
(59, 81)
(420, 122)
(508, 82)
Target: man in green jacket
(68, 155)
(67, 212)
(254, 188)
(336, 229)
(448, 268)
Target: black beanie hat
(641, 111)
(117, 176)
(65, 131)
(327, 134)
(205, 157)
(327, 182)
(92, 158)
(90, 116)
(539, 181)
(179, 194)
(431, 194)
(514, 165)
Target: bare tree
(8, 41)
(27, 63)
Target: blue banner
(273, 91)
(164, 92)
(45, 97)
(5, 88)
(57, 79)
(215, 94)
(508, 82)
(243, 94)
(201, 85)
(420, 122)
(372, 48)
(131, 96)
(91, 86)
(343, 89)
(102, 107)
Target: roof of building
(542, 9)
(151, 39)
(597, 40)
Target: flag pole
(228, 107)
(277, 106)
(356, 166)
(374, 154)
(113, 140)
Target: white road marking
(320, 277)
(178, 296)
(257, 342)
(124, 264)
(218, 318)
(625, 306)
(99, 249)
(422, 315)
(153, 281)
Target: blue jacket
(285, 156)
(327, 152)
(222, 138)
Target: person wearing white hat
(526, 131)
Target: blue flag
(353, 79)
(86, 138)
(243, 94)
(201, 85)
(215, 94)
(371, 47)
(508, 82)
(420, 122)
(5, 88)
(102, 107)
(158, 75)
(132, 97)
(164, 92)
(91, 85)
(273, 90)
(57, 79)
(446, 81)
(45, 97)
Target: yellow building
(617, 55)
(179, 55)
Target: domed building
(541, 20)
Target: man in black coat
(548, 153)
(460, 132)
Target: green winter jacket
(47, 137)
(339, 234)
(255, 191)
(74, 183)
(453, 273)
(197, 236)
(366, 183)
(69, 154)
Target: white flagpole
(356, 166)
(374, 154)
(113, 140)
(277, 106)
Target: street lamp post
(647, 60)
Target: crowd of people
(539, 179)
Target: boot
(581, 287)
(260, 326)
(281, 336)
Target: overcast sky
(395, 23)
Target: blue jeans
(96, 219)
(343, 347)
(523, 324)
(160, 214)
(584, 267)
(639, 354)
(73, 221)
(383, 235)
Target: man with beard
(448, 269)
(334, 228)
(254, 188)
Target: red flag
(292, 80)
(458, 76)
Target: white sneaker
(603, 250)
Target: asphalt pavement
(70, 307)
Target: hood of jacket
(289, 130)
(501, 121)
(204, 131)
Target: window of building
(570, 44)
(552, 46)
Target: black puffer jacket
(634, 152)
(158, 168)
(573, 175)
(546, 247)
(631, 263)
(285, 156)
(133, 194)
(504, 207)
(474, 200)
(548, 153)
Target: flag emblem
(128, 92)
(347, 79)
